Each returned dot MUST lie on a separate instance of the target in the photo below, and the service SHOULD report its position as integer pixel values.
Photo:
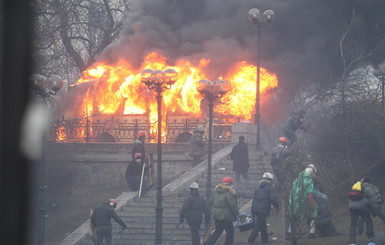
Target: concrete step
(140, 216)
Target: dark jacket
(264, 196)
(240, 157)
(365, 203)
(323, 203)
(279, 153)
(295, 121)
(197, 145)
(134, 169)
(193, 209)
(102, 214)
(138, 147)
(225, 205)
(375, 205)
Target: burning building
(109, 101)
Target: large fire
(118, 89)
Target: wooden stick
(141, 180)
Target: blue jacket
(264, 196)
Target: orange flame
(61, 133)
(117, 89)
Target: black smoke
(299, 46)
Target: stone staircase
(139, 213)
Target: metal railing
(123, 129)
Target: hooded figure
(240, 156)
(134, 174)
(225, 211)
(197, 145)
(264, 196)
(301, 201)
(138, 146)
(295, 121)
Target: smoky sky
(299, 46)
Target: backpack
(357, 192)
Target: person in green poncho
(301, 201)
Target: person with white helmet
(197, 145)
(301, 200)
(193, 209)
(225, 211)
(101, 221)
(265, 195)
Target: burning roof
(117, 89)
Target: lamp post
(380, 74)
(211, 91)
(44, 88)
(257, 18)
(159, 81)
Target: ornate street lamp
(380, 74)
(211, 91)
(258, 19)
(44, 88)
(159, 81)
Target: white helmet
(311, 169)
(194, 185)
(268, 175)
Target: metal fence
(124, 129)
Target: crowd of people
(306, 201)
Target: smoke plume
(299, 46)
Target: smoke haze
(299, 46)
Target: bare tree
(352, 54)
(70, 34)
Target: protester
(360, 199)
(295, 121)
(225, 211)
(264, 196)
(279, 153)
(301, 201)
(375, 201)
(376, 204)
(134, 174)
(197, 144)
(324, 224)
(138, 146)
(192, 210)
(240, 156)
(101, 221)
